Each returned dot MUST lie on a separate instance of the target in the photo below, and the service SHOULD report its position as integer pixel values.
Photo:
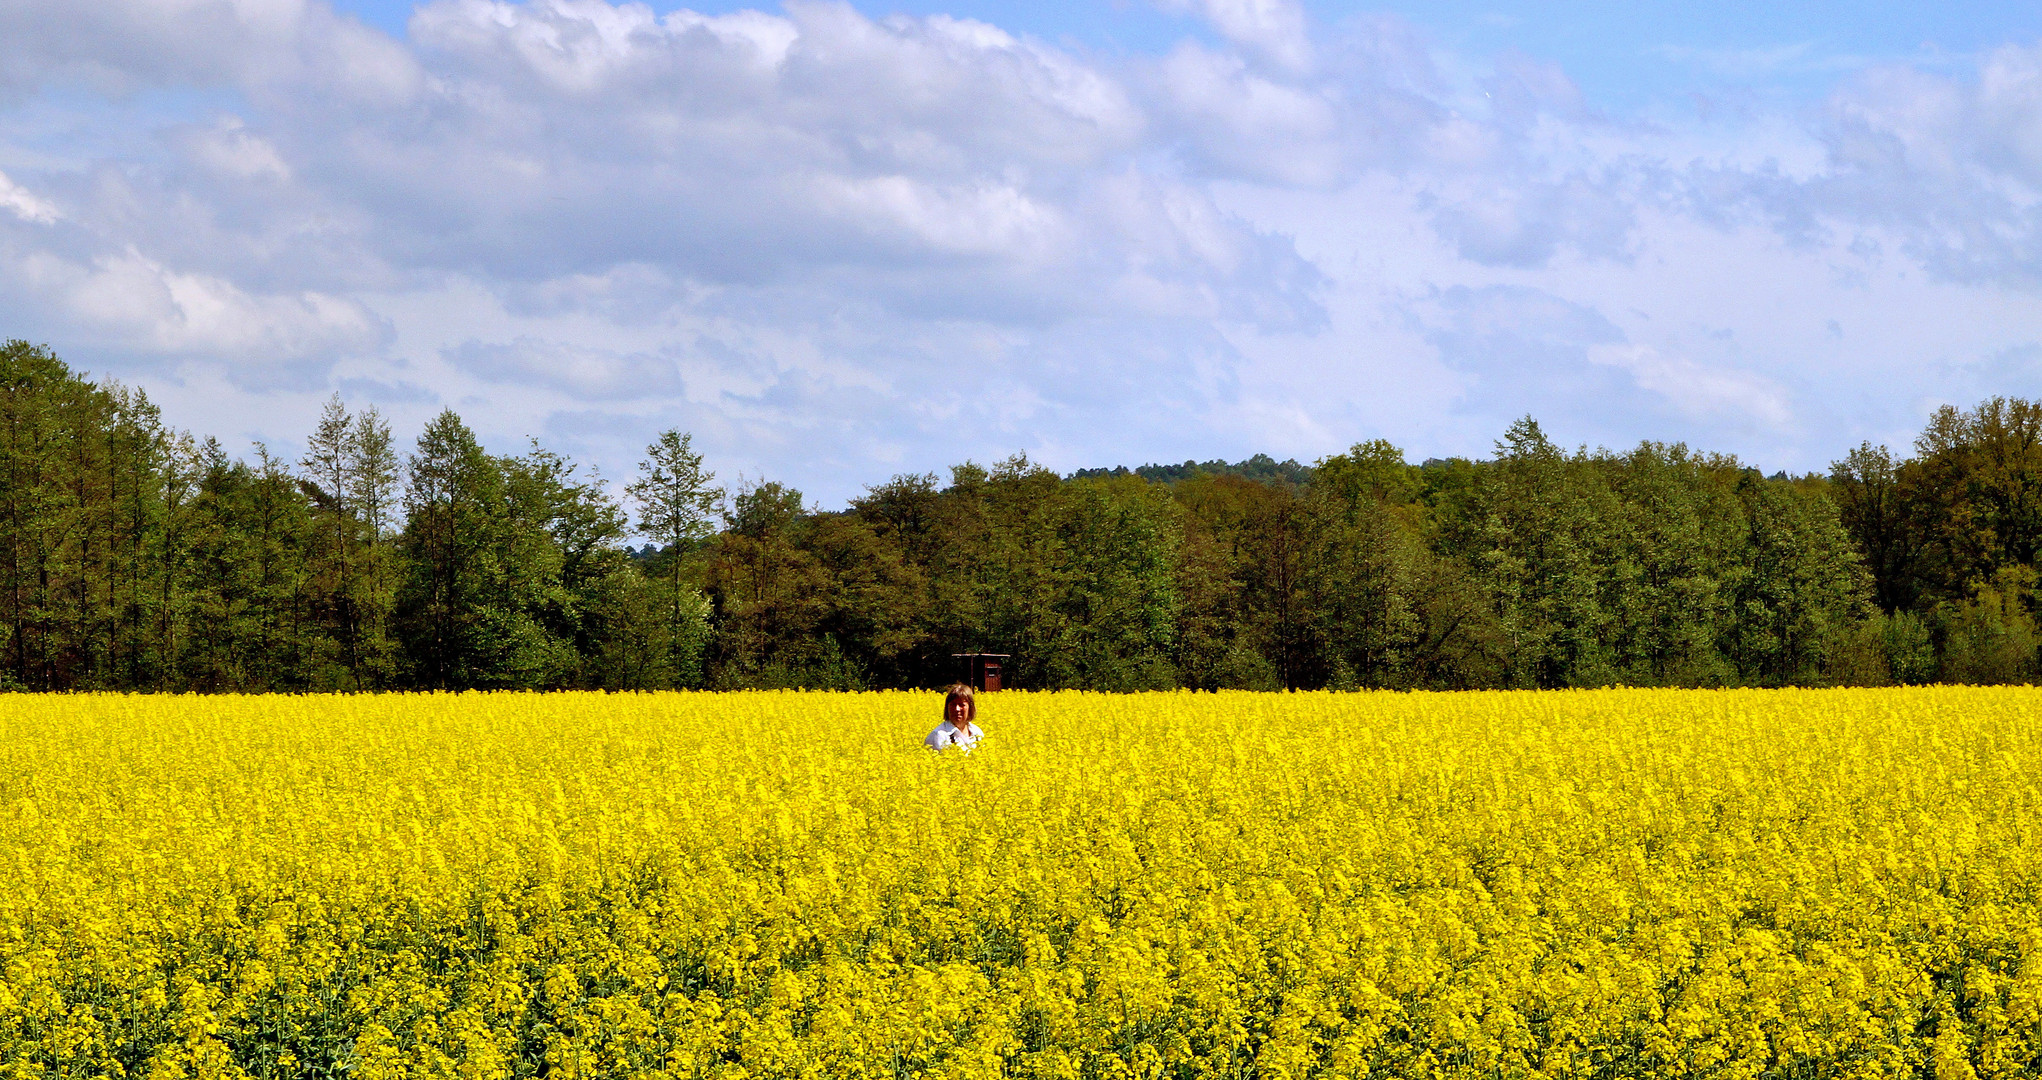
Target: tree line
(136, 557)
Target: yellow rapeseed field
(1612, 883)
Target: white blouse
(950, 734)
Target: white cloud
(1230, 115)
(127, 46)
(25, 204)
(132, 301)
(586, 374)
(1952, 166)
(229, 149)
(1696, 389)
(1274, 30)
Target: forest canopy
(137, 557)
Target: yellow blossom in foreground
(1597, 884)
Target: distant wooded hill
(136, 557)
(1261, 468)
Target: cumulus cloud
(906, 159)
(914, 239)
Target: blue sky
(1621, 54)
(841, 242)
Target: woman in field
(957, 729)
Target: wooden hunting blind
(982, 669)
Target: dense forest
(136, 557)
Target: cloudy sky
(843, 241)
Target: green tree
(1247, 579)
(676, 507)
(248, 624)
(1795, 587)
(593, 601)
(873, 602)
(1369, 472)
(447, 544)
(1118, 615)
(1545, 561)
(1077, 580)
(1669, 524)
(372, 495)
(1358, 567)
(56, 523)
(770, 593)
(133, 456)
(342, 543)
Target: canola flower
(1581, 884)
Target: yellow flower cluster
(1595, 884)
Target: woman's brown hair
(970, 703)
